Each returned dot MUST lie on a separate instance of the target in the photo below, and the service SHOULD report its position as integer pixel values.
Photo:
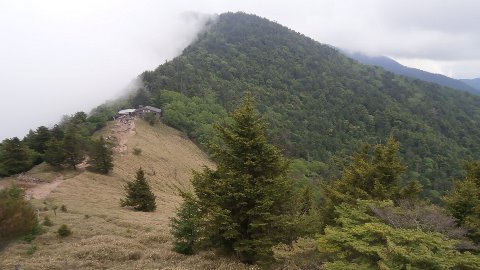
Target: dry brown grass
(106, 236)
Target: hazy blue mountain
(475, 83)
(397, 68)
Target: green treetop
(14, 157)
(139, 196)
(245, 202)
(101, 156)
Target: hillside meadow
(106, 236)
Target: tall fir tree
(74, 146)
(101, 156)
(463, 201)
(246, 202)
(139, 195)
(55, 154)
(15, 157)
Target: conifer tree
(246, 201)
(139, 196)
(185, 225)
(101, 156)
(463, 201)
(372, 175)
(55, 154)
(73, 146)
(14, 157)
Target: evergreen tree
(371, 176)
(362, 240)
(15, 157)
(55, 154)
(246, 202)
(139, 196)
(38, 140)
(185, 225)
(101, 156)
(73, 146)
(463, 201)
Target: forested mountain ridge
(397, 68)
(320, 104)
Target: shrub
(64, 231)
(32, 249)
(17, 216)
(47, 222)
(137, 151)
(63, 208)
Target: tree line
(249, 208)
(67, 144)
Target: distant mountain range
(472, 86)
(475, 83)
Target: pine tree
(185, 225)
(14, 157)
(55, 154)
(372, 175)
(247, 201)
(73, 146)
(463, 201)
(139, 196)
(101, 156)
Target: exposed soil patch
(41, 191)
(121, 131)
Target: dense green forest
(247, 207)
(320, 105)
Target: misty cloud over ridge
(61, 59)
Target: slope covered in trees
(319, 104)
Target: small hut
(143, 110)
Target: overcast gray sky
(58, 57)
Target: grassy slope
(112, 237)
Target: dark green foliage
(321, 105)
(17, 216)
(64, 231)
(196, 116)
(38, 140)
(185, 225)
(73, 147)
(246, 203)
(139, 195)
(14, 157)
(372, 175)
(55, 154)
(101, 156)
(361, 240)
(463, 201)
